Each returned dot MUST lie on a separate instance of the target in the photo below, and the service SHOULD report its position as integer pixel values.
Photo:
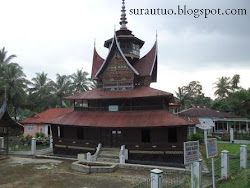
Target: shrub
(196, 137)
(40, 135)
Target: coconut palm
(4, 59)
(41, 84)
(14, 81)
(222, 87)
(80, 82)
(235, 82)
(62, 87)
(181, 96)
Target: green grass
(241, 180)
(234, 165)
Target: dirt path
(25, 172)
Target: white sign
(191, 152)
(211, 147)
(113, 108)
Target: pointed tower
(130, 45)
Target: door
(116, 136)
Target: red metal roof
(145, 65)
(156, 118)
(97, 63)
(47, 115)
(206, 112)
(137, 92)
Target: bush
(196, 137)
(40, 135)
(225, 136)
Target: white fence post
(2, 142)
(231, 135)
(224, 164)
(198, 173)
(33, 146)
(156, 178)
(243, 156)
(122, 159)
(89, 157)
(51, 142)
(205, 136)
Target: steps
(109, 155)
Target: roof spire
(123, 19)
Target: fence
(248, 158)
(145, 184)
(241, 136)
(17, 146)
(234, 163)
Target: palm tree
(4, 61)
(80, 81)
(41, 84)
(181, 96)
(62, 87)
(222, 87)
(235, 82)
(14, 81)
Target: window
(80, 133)
(172, 134)
(31, 127)
(145, 135)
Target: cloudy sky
(57, 36)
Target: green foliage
(25, 138)
(196, 137)
(40, 135)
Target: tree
(62, 87)
(4, 61)
(181, 96)
(14, 81)
(235, 82)
(222, 87)
(80, 81)
(41, 92)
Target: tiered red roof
(143, 66)
(137, 92)
(47, 115)
(155, 118)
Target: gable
(117, 75)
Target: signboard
(113, 108)
(191, 152)
(211, 147)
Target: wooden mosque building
(123, 109)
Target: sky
(57, 36)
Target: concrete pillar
(195, 129)
(122, 159)
(33, 146)
(247, 127)
(224, 164)
(1, 142)
(198, 173)
(51, 141)
(81, 157)
(99, 147)
(227, 126)
(89, 157)
(243, 156)
(205, 136)
(156, 178)
(232, 135)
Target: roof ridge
(115, 42)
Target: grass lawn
(238, 178)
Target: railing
(123, 108)
(145, 184)
(241, 136)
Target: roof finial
(94, 42)
(123, 19)
(156, 34)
